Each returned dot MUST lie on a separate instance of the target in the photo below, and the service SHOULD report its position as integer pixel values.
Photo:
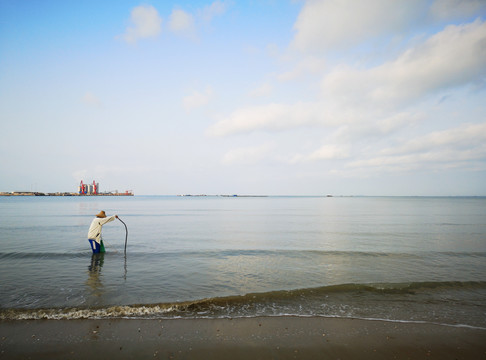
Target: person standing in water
(94, 232)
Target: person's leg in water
(95, 246)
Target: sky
(309, 97)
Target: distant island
(235, 195)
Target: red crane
(83, 188)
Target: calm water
(400, 259)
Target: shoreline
(283, 337)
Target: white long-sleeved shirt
(94, 232)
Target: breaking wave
(345, 300)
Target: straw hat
(101, 214)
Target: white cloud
(364, 112)
(146, 23)
(182, 23)
(271, 117)
(186, 24)
(450, 59)
(356, 133)
(90, 99)
(215, 9)
(198, 99)
(463, 146)
(325, 152)
(454, 57)
(353, 122)
(464, 136)
(325, 24)
(331, 151)
(310, 65)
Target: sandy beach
(243, 338)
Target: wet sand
(247, 338)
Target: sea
(399, 259)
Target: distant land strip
(35, 193)
(235, 195)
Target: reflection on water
(94, 274)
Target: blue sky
(313, 97)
